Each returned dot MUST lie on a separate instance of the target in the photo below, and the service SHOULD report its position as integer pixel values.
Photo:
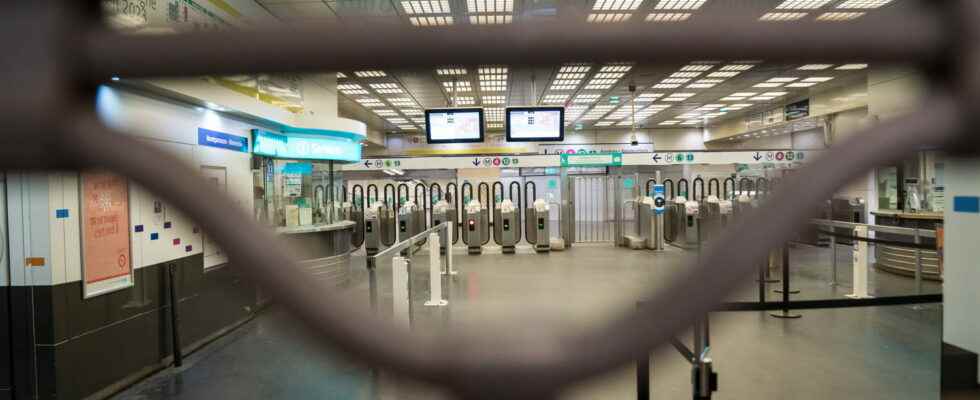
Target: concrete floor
(862, 353)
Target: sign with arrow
(757, 156)
(476, 162)
(656, 158)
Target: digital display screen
(455, 125)
(535, 124)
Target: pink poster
(105, 226)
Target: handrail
(406, 243)
(898, 230)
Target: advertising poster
(106, 261)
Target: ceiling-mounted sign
(307, 147)
(221, 140)
(614, 159)
(613, 99)
(800, 109)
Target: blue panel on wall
(154, 236)
(966, 204)
(167, 225)
(61, 213)
(222, 140)
(138, 228)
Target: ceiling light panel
(554, 98)
(783, 79)
(691, 122)
(863, 4)
(782, 16)
(685, 74)
(451, 71)
(648, 97)
(407, 127)
(668, 17)
(401, 102)
(494, 99)
(558, 86)
(625, 123)
(818, 79)
(815, 67)
(574, 68)
(464, 100)
(386, 112)
(426, 7)
(616, 68)
(370, 102)
(675, 80)
(666, 86)
(697, 67)
(839, 16)
(851, 67)
(386, 88)
(670, 122)
(431, 21)
(351, 89)
(494, 113)
(802, 4)
(490, 6)
(604, 123)
(397, 121)
(457, 86)
(491, 19)
(570, 76)
(762, 98)
(775, 94)
(495, 125)
(412, 112)
(723, 75)
(608, 18)
(616, 5)
(801, 84)
(768, 85)
(705, 83)
(370, 74)
(586, 98)
(341, 75)
(420, 121)
(737, 67)
(679, 4)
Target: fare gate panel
(594, 220)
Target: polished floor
(861, 353)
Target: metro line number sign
(614, 159)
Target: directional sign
(592, 160)
(659, 199)
(656, 157)
(757, 156)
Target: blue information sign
(227, 141)
(659, 199)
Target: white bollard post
(435, 273)
(860, 284)
(401, 307)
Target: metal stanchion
(785, 273)
(918, 267)
(833, 262)
(643, 375)
(435, 275)
(400, 291)
(785, 313)
(174, 317)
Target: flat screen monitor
(535, 124)
(454, 125)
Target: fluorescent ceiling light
(386, 112)
(555, 98)
(397, 121)
(401, 101)
(370, 74)
(737, 67)
(863, 4)
(431, 21)
(574, 68)
(818, 79)
(351, 89)
(493, 99)
(815, 67)
(697, 67)
(744, 94)
(675, 80)
(370, 102)
(720, 74)
(586, 98)
(490, 6)
(451, 71)
(495, 125)
(616, 68)
(762, 98)
(668, 17)
(570, 75)
(691, 122)
(801, 84)
(608, 18)
(412, 111)
(341, 75)
(463, 100)
(732, 98)
(648, 97)
(407, 127)
(670, 122)
(851, 67)
(774, 94)
(782, 16)
(625, 123)
(691, 74)
(616, 5)
(839, 16)
(767, 85)
(386, 88)
(783, 79)
(604, 123)
(458, 86)
(426, 7)
(562, 87)
(802, 4)
(679, 4)
(666, 86)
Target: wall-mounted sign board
(554, 160)
(104, 222)
(592, 160)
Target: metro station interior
(489, 199)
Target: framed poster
(107, 263)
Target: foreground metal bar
(904, 38)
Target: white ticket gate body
(506, 226)
(443, 212)
(373, 231)
(536, 221)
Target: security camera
(634, 142)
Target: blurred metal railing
(58, 51)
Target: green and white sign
(614, 159)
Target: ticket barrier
(646, 225)
(474, 226)
(377, 228)
(506, 226)
(536, 229)
(408, 224)
(442, 211)
(686, 222)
